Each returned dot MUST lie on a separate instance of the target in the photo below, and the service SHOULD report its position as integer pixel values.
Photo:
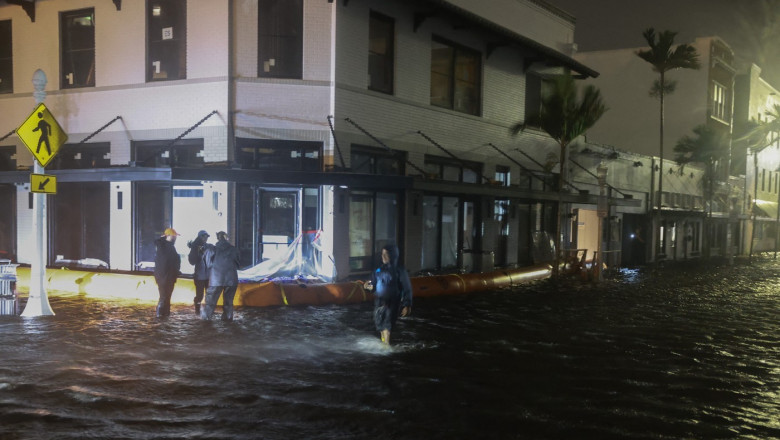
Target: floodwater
(687, 354)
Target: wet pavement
(687, 352)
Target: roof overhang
(550, 56)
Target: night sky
(750, 27)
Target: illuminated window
(502, 175)
(456, 77)
(720, 102)
(280, 38)
(373, 223)
(381, 47)
(166, 52)
(78, 49)
(6, 58)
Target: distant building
(755, 99)
(702, 97)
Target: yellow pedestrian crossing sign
(42, 135)
(43, 183)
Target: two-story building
(314, 131)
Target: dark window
(368, 160)
(8, 221)
(533, 95)
(7, 162)
(166, 27)
(6, 58)
(282, 155)
(381, 48)
(455, 77)
(153, 209)
(453, 170)
(184, 153)
(280, 38)
(82, 156)
(80, 224)
(78, 48)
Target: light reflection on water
(688, 354)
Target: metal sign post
(38, 301)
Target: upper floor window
(502, 175)
(280, 38)
(82, 156)
(456, 77)
(7, 161)
(453, 170)
(369, 160)
(281, 155)
(166, 28)
(720, 102)
(6, 58)
(78, 48)
(159, 154)
(381, 52)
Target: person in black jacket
(392, 292)
(200, 276)
(167, 264)
(222, 262)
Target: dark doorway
(80, 224)
(8, 222)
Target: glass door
(278, 222)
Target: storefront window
(361, 208)
(373, 223)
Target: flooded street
(687, 354)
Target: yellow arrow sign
(42, 135)
(43, 183)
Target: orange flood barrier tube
(264, 294)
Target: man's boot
(197, 309)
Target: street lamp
(603, 212)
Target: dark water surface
(685, 355)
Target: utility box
(8, 301)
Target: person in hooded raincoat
(223, 263)
(200, 275)
(167, 264)
(392, 292)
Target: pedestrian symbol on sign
(45, 129)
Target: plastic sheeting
(304, 259)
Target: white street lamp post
(38, 301)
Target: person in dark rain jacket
(392, 292)
(200, 275)
(222, 262)
(167, 264)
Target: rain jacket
(222, 263)
(195, 257)
(167, 262)
(391, 281)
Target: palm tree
(564, 114)
(664, 58)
